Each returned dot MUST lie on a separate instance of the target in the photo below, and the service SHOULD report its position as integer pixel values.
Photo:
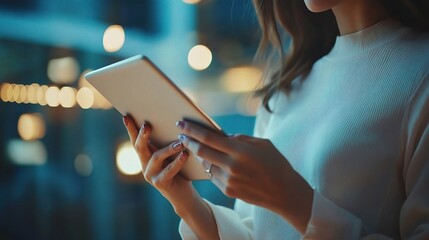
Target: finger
(131, 128)
(223, 181)
(143, 135)
(215, 171)
(203, 151)
(218, 177)
(173, 168)
(206, 136)
(156, 163)
(142, 144)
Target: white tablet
(137, 87)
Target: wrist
(198, 215)
(188, 205)
(296, 203)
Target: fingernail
(180, 124)
(125, 120)
(143, 129)
(183, 155)
(177, 145)
(181, 137)
(146, 127)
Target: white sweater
(357, 130)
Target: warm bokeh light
(6, 92)
(100, 101)
(83, 165)
(26, 153)
(114, 38)
(85, 98)
(31, 126)
(67, 97)
(31, 93)
(127, 159)
(191, 1)
(22, 94)
(63, 70)
(199, 57)
(15, 94)
(241, 79)
(40, 95)
(51, 96)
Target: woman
(341, 146)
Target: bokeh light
(63, 70)
(127, 159)
(51, 96)
(40, 95)
(22, 94)
(15, 94)
(83, 165)
(199, 57)
(26, 153)
(85, 98)
(114, 38)
(67, 97)
(31, 126)
(31, 93)
(99, 100)
(6, 92)
(241, 79)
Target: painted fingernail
(183, 155)
(143, 129)
(181, 137)
(177, 145)
(125, 120)
(180, 124)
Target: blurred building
(66, 171)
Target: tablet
(137, 87)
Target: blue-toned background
(61, 142)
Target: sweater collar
(366, 39)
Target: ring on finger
(209, 171)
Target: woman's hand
(164, 175)
(159, 169)
(253, 170)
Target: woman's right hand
(157, 169)
(164, 176)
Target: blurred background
(67, 170)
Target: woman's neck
(355, 15)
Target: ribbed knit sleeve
(414, 222)
(329, 221)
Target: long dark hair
(312, 36)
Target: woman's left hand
(253, 170)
